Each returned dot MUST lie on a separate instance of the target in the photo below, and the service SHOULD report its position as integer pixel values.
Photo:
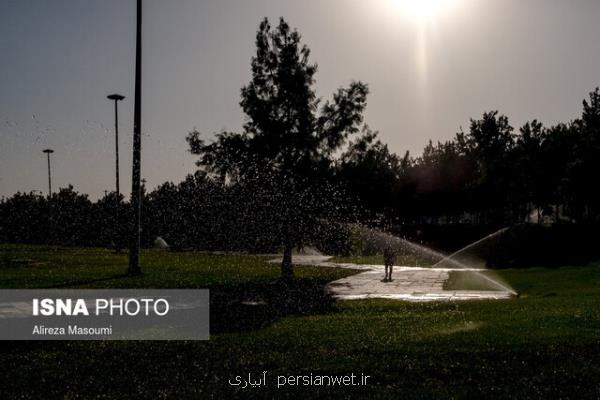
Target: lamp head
(115, 96)
(49, 151)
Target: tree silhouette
(488, 143)
(527, 158)
(370, 171)
(583, 169)
(288, 142)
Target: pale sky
(429, 71)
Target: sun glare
(420, 9)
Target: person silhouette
(389, 259)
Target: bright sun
(420, 9)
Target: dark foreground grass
(543, 345)
(45, 266)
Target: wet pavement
(408, 283)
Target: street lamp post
(116, 98)
(134, 251)
(48, 152)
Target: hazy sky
(428, 74)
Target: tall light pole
(134, 251)
(48, 152)
(117, 98)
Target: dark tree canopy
(286, 131)
(288, 139)
(368, 167)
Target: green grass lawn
(43, 267)
(543, 345)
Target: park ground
(544, 344)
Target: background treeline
(487, 177)
(199, 213)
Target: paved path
(409, 283)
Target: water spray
(386, 237)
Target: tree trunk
(287, 269)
